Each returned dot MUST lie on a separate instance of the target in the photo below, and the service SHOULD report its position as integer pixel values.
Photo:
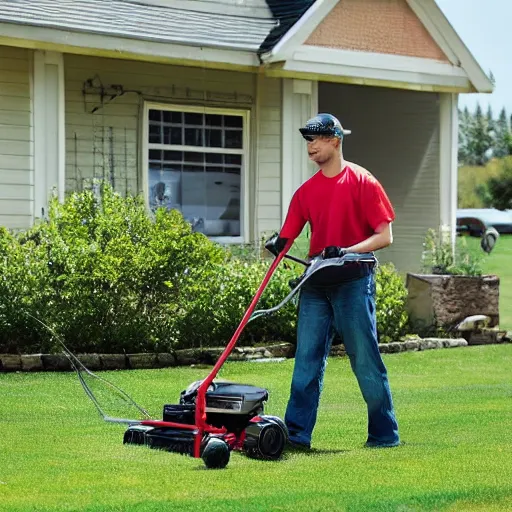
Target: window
(196, 160)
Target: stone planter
(442, 301)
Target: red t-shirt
(342, 211)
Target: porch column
(300, 103)
(49, 129)
(448, 148)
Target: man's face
(321, 149)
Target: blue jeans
(350, 309)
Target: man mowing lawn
(348, 211)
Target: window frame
(245, 152)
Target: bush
(218, 299)
(217, 307)
(100, 272)
(391, 297)
(496, 192)
(109, 278)
(24, 287)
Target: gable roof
(212, 23)
(294, 45)
(241, 34)
(287, 12)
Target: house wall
(395, 135)
(16, 166)
(379, 26)
(101, 138)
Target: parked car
(475, 221)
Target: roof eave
(104, 45)
(364, 68)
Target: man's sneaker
(298, 447)
(375, 444)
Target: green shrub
(217, 300)
(24, 287)
(216, 307)
(109, 278)
(101, 271)
(391, 296)
(496, 192)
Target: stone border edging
(206, 356)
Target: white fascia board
(299, 32)
(448, 143)
(120, 47)
(449, 41)
(440, 38)
(376, 66)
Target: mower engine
(234, 410)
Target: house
(197, 104)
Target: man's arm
(382, 237)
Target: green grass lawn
(499, 262)
(454, 408)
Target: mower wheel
(266, 438)
(136, 434)
(216, 454)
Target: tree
(499, 188)
(502, 136)
(464, 127)
(479, 139)
(492, 79)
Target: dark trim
(287, 12)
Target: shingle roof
(288, 12)
(229, 25)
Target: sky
(485, 27)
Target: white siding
(395, 135)
(16, 180)
(113, 133)
(268, 206)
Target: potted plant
(450, 288)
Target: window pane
(175, 156)
(213, 138)
(233, 139)
(233, 159)
(164, 188)
(223, 204)
(214, 158)
(194, 199)
(155, 134)
(233, 121)
(172, 135)
(172, 156)
(155, 115)
(193, 136)
(177, 117)
(155, 155)
(196, 119)
(233, 170)
(191, 156)
(166, 116)
(193, 167)
(213, 120)
(214, 168)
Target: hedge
(109, 277)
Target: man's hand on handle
(275, 244)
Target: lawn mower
(215, 417)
